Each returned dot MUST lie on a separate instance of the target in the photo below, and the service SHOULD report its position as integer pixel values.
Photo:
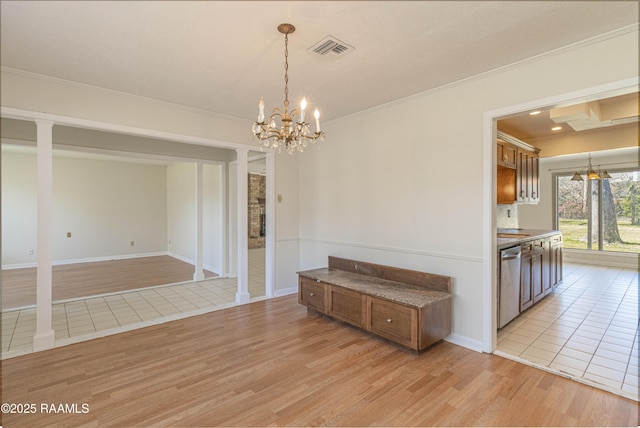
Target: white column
(198, 274)
(44, 337)
(242, 295)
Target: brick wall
(257, 194)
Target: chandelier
(282, 128)
(591, 173)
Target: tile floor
(82, 319)
(587, 329)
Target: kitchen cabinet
(527, 177)
(526, 276)
(555, 261)
(506, 185)
(540, 269)
(506, 154)
(518, 175)
(540, 279)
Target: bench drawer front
(346, 305)
(311, 293)
(393, 321)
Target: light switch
(68, 234)
(279, 198)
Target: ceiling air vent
(331, 47)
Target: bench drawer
(347, 305)
(311, 293)
(393, 321)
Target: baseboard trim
(464, 341)
(602, 258)
(87, 260)
(285, 292)
(210, 268)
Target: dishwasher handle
(510, 256)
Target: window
(601, 215)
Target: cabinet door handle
(389, 320)
(311, 294)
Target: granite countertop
(407, 294)
(531, 235)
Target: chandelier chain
(286, 70)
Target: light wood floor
(271, 363)
(89, 279)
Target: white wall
(181, 214)
(19, 205)
(213, 227)
(181, 201)
(104, 204)
(402, 184)
(287, 227)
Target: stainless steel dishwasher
(509, 286)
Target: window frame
(555, 216)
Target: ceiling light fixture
(533, 113)
(556, 128)
(591, 173)
(293, 135)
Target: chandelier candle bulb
(316, 114)
(261, 107)
(303, 105)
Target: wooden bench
(408, 307)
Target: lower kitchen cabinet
(526, 276)
(555, 260)
(540, 269)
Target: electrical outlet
(31, 252)
(132, 243)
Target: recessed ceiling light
(533, 113)
(556, 128)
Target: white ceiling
(222, 56)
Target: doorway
(573, 273)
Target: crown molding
(71, 83)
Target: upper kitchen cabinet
(518, 178)
(527, 177)
(507, 154)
